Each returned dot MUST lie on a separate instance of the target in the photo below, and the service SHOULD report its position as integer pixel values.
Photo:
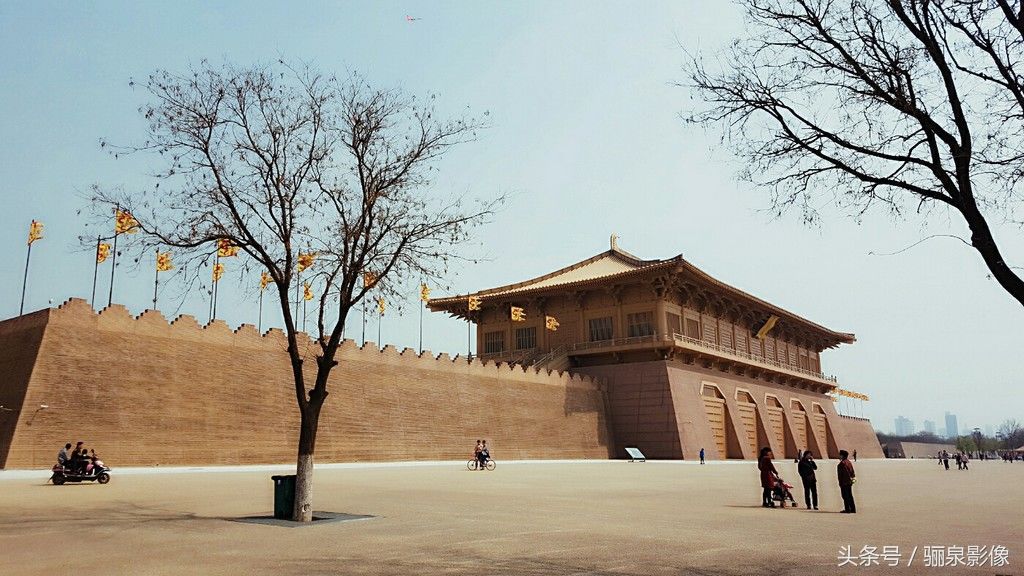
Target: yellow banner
(265, 279)
(225, 249)
(369, 280)
(218, 271)
(102, 252)
(125, 223)
(306, 260)
(307, 294)
(35, 231)
(381, 305)
(518, 314)
(163, 262)
(763, 332)
(424, 292)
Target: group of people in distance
(77, 459)
(962, 459)
(482, 454)
(806, 467)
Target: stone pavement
(600, 517)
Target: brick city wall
(143, 391)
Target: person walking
(959, 460)
(847, 477)
(702, 456)
(768, 474)
(855, 455)
(806, 468)
(964, 458)
(945, 459)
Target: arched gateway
(689, 362)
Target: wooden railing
(533, 356)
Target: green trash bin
(284, 496)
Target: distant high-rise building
(929, 426)
(941, 432)
(904, 426)
(952, 430)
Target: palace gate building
(678, 356)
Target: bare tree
(1012, 433)
(299, 170)
(879, 102)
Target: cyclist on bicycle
(477, 454)
(485, 455)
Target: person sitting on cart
(64, 456)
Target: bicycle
(474, 464)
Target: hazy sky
(586, 135)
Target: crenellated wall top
(76, 312)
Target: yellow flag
(218, 271)
(306, 260)
(551, 323)
(35, 231)
(307, 294)
(225, 249)
(381, 305)
(424, 292)
(369, 279)
(767, 327)
(474, 303)
(264, 280)
(163, 262)
(125, 223)
(518, 314)
(102, 252)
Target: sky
(586, 137)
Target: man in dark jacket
(806, 468)
(846, 479)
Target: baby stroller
(781, 492)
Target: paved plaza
(523, 518)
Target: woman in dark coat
(806, 469)
(768, 474)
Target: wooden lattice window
(601, 329)
(693, 328)
(526, 338)
(674, 322)
(494, 342)
(640, 324)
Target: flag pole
(364, 320)
(216, 285)
(156, 276)
(113, 266)
(422, 305)
(95, 271)
(24, 281)
(303, 311)
(380, 320)
(261, 311)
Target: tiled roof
(615, 264)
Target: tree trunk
(985, 244)
(303, 511)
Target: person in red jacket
(768, 474)
(846, 479)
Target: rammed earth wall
(143, 391)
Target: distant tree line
(1009, 436)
